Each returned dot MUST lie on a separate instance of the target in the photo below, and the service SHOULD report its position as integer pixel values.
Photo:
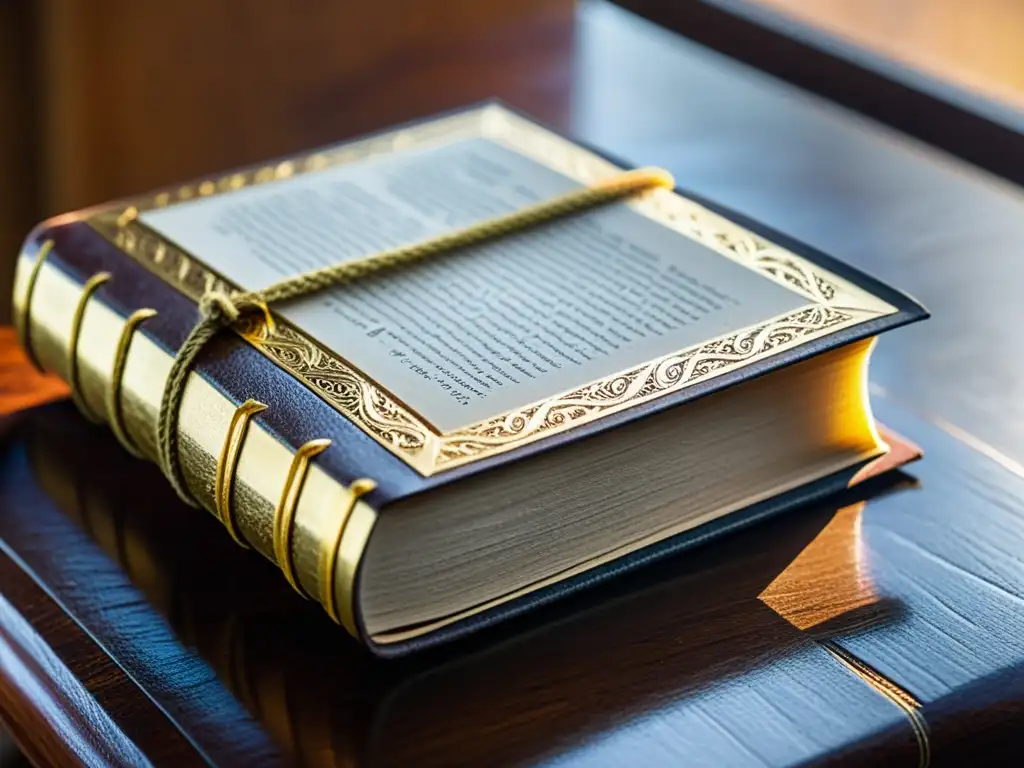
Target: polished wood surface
(879, 629)
(71, 708)
(883, 626)
(252, 673)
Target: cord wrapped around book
(427, 446)
(219, 311)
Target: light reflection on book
(601, 663)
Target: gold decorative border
(639, 385)
(833, 303)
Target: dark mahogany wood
(63, 698)
(730, 656)
(884, 627)
(21, 386)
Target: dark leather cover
(296, 415)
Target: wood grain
(64, 699)
(51, 715)
(120, 634)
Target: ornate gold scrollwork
(832, 302)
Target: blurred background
(105, 98)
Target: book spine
(66, 327)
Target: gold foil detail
(115, 411)
(227, 464)
(284, 515)
(903, 699)
(23, 319)
(329, 561)
(269, 324)
(833, 303)
(90, 287)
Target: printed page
(488, 329)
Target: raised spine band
(24, 317)
(227, 464)
(329, 561)
(284, 515)
(115, 412)
(90, 287)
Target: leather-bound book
(434, 447)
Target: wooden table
(881, 628)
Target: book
(438, 447)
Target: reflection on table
(695, 637)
